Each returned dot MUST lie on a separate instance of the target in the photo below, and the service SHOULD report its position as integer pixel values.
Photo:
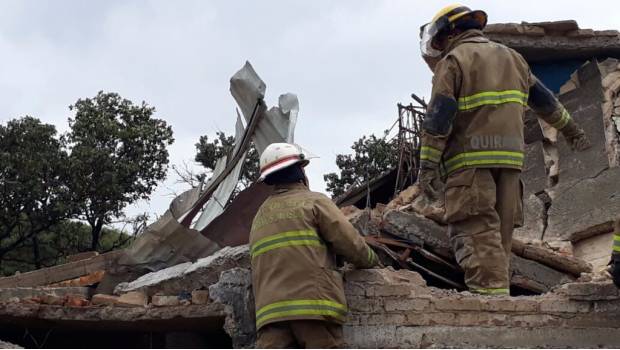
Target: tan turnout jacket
(490, 83)
(295, 236)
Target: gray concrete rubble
(6, 345)
(188, 276)
(234, 290)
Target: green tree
(118, 154)
(61, 240)
(34, 196)
(372, 156)
(208, 152)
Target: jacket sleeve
(542, 101)
(342, 236)
(441, 111)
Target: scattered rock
(200, 296)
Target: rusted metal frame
(257, 114)
(433, 274)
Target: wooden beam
(60, 273)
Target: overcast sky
(349, 62)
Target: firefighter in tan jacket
(473, 136)
(295, 237)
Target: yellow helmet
(445, 20)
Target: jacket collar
(290, 187)
(468, 36)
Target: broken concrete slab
(584, 209)
(234, 291)
(419, 230)
(585, 106)
(60, 273)
(595, 250)
(534, 218)
(537, 45)
(29, 293)
(534, 174)
(7, 345)
(590, 291)
(534, 276)
(188, 277)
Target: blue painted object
(555, 74)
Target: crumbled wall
(395, 309)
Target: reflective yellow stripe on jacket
(430, 153)
(482, 158)
(616, 246)
(564, 119)
(492, 98)
(286, 239)
(304, 307)
(491, 291)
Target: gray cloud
(350, 62)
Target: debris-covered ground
(561, 294)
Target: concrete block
(407, 304)
(364, 337)
(564, 306)
(508, 304)
(452, 303)
(533, 217)
(586, 208)
(104, 299)
(200, 296)
(389, 290)
(133, 299)
(165, 300)
(361, 304)
(534, 320)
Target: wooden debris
(60, 273)
(544, 256)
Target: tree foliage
(371, 157)
(208, 152)
(55, 244)
(34, 196)
(118, 155)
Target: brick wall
(396, 309)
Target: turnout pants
(483, 205)
(313, 334)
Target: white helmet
(278, 156)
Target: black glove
(428, 178)
(614, 270)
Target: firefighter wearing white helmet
(473, 132)
(295, 237)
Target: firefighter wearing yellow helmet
(472, 137)
(295, 237)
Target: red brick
(132, 299)
(76, 301)
(104, 299)
(52, 300)
(564, 306)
